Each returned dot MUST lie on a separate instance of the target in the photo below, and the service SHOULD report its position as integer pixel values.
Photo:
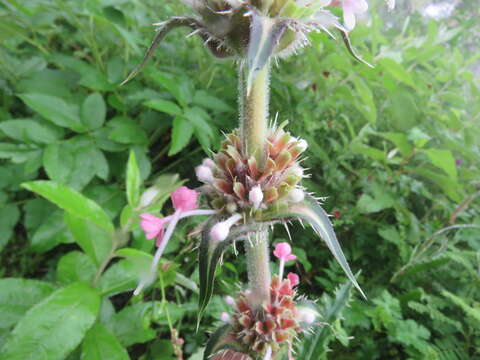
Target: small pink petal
(290, 257)
(152, 225)
(184, 199)
(294, 279)
(159, 240)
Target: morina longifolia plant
(255, 180)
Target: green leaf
(310, 211)
(181, 133)
(19, 295)
(472, 312)
(265, 34)
(75, 266)
(382, 199)
(72, 201)
(30, 130)
(315, 343)
(131, 324)
(121, 276)
(127, 131)
(9, 216)
(101, 344)
(366, 105)
(444, 160)
(56, 326)
(55, 110)
(397, 71)
(450, 187)
(133, 180)
(400, 140)
(93, 111)
(50, 233)
(165, 106)
(203, 131)
(204, 99)
(96, 242)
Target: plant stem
(254, 113)
(253, 132)
(258, 262)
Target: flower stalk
(258, 267)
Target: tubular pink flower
(153, 226)
(293, 278)
(283, 251)
(184, 199)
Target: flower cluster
(236, 182)
(274, 326)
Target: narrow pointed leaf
(163, 29)
(314, 345)
(222, 339)
(265, 34)
(348, 44)
(209, 255)
(310, 211)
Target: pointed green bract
(265, 34)
(315, 344)
(310, 211)
(221, 339)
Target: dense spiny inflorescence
(275, 324)
(235, 182)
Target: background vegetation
(395, 149)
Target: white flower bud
(297, 170)
(307, 315)
(148, 196)
(225, 317)
(209, 163)
(296, 195)
(231, 207)
(229, 300)
(220, 231)
(255, 196)
(204, 174)
(303, 144)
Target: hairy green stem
(258, 262)
(254, 112)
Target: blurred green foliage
(395, 149)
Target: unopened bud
(220, 231)
(148, 196)
(256, 196)
(204, 174)
(209, 163)
(225, 317)
(297, 170)
(296, 195)
(307, 315)
(303, 144)
(229, 300)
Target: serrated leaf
(101, 344)
(93, 111)
(310, 211)
(54, 327)
(71, 201)
(19, 295)
(133, 180)
(181, 133)
(55, 110)
(96, 242)
(75, 266)
(165, 106)
(444, 160)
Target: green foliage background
(395, 149)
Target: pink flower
(283, 251)
(153, 226)
(294, 279)
(184, 199)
